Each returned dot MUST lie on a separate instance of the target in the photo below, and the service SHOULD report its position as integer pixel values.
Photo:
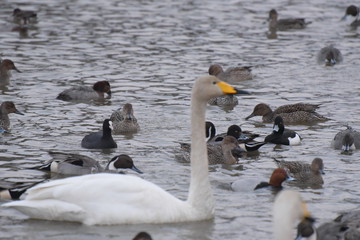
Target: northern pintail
(5, 66)
(6, 108)
(24, 15)
(100, 140)
(285, 24)
(291, 113)
(95, 92)
(124, 120)
(142, 236)
(346, 140)
(103, 198)
(277, 177)
(226, 152)
(344, 227)
(304, 173)
(233, 74)
(280, 136)
(329, 56)
(14, 193)
(76, 164)
(354, 11)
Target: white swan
(122, 199)
(288, 210)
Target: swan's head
(207, 87)
(289, 208)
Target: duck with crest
(122, 199)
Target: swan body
(106, 199)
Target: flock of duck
(125, 199)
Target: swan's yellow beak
(226, 88)
(305, 211)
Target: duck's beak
(250, 116)
(18, 112)
(109, 93)
(343, 18)
(136, 170)
(17, 69)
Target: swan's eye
(214, 82)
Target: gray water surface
(151, 52)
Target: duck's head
(234, 130)
(121, 162)
(351, 10)
(278, 124)
(317, 166)
(215, 69)
(102, 87)
(9, 107)
(260, 109)
(278, 176)
(9, 65)
(273, 15)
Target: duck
(291, 113)
(231, 75)
(285, 24)
(245, 138)
(306, 229)
(14, 193)
(142, 236)
(5, 66)
(346, 140)
(343, 227)
(278, 176)
(108, 199)
(282, 136)
(304, 173)
(25, 15)
(96, 92)
(76, 164)
(6, 108)
(288, 210)
(124, 120)
(354, 11)
(100, 140)
(226, 152)
(330, 56)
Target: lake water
(151, 52)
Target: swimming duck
(304, 173)
(329, 55)
(245, 138)
(226, 152)
(100, 140)
(285, 24)
(306, 229)
(343, 227)
(278, 176)
(354, 11)
(14, 193)
(346, 140)
(280, 136)
(19, 15)
(6, 108)
(123, 199)
(76, 164)
(86, 92)
(142, 236)
(124, 120)
(288, 209)
(5, 66)
(291, 113)
(233, 74)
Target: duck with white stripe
(282, 136)
(123, 199)
(76, 164)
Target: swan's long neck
(200, 194)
